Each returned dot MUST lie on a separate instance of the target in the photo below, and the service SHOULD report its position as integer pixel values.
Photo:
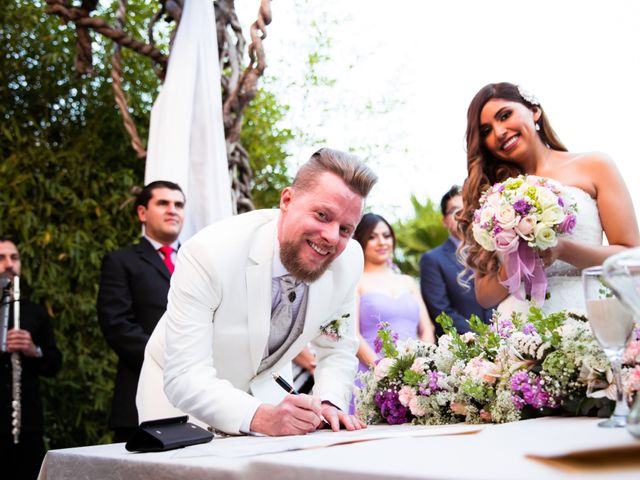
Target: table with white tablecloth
(547, 448)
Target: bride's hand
(550, 255)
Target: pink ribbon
(524, 265)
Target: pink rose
(568, 224)
(480, 369)
(525, 227)
(419, 365)
(405, 395)
(507, 241)
(458, 408)
(381, 370)
(632, 353)
(485, 416)
(416, 409)
(631, 382)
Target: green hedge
(66, 170)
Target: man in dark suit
(133, 294)
(39, 355)
(439, 269)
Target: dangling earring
(537, 127)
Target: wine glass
(612, 325)
(622, 274)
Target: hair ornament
(528, 96)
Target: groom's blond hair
(353, 171)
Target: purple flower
(517, 402)
(504, 328)
(531, 392)
(390, 407)
(377, 344)
(529, 329)
(431, 385)
(568, 224)
(497, 229)
(522, 207)
(560, 201)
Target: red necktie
(166, 252)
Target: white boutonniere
(333, 329)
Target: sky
(405, 72)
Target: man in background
(133, 294)
(39, 355)
(439, 269)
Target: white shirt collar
(157, 245)
(277, 268)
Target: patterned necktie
(166, 252)
(282, 317)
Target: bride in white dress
(508, 134)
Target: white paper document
(248, 446)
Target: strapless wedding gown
(564, 281)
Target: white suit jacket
(208, 346)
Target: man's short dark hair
(7, 238)
(454, 191)
(147, 192)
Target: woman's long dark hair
(366, 227)
(484, 169)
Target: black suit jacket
(33, 318)
(133, 296)
(441, 291)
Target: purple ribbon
(524, 265)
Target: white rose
(493, 200)
(486, 215)
(484, 238)
(552, 215)
(545, 237)
(546, 198)
(506, 216)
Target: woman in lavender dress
(384, 295)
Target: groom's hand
(294, 415)
(337, 417)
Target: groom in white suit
(220, 338)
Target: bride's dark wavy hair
(484, 170)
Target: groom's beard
(290, 258)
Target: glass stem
(622, 409)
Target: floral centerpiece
(515, 368)
(518, 217)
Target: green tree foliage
(66, 170)
(265, 142)
(418, 235)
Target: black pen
(284, 384)
(289, 389)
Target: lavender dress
(401, 313)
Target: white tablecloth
(546, 448)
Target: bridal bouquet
(518, 217)
(515, 368)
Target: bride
(508, 134)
